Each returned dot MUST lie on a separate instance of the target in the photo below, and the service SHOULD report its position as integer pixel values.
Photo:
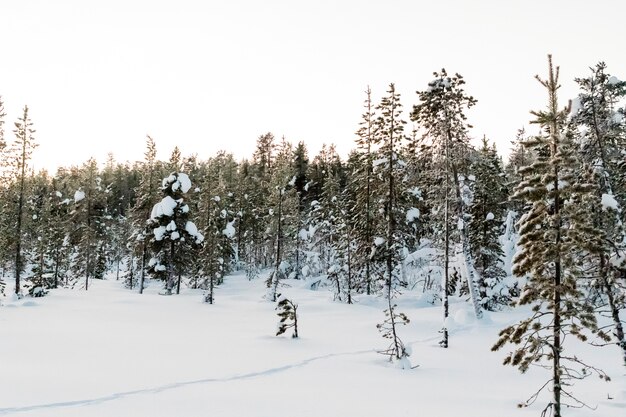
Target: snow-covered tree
(363, 182)
(599, 125)
(174, 236)
(19, 155)
(391, 248)
(487, 213)
(441, 115)
(288, 313)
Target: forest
(418, 205)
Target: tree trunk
(619, 329)
(143, 266)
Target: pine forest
(424, 236)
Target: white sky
(208, 75)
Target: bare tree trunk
(143, 266)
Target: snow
(490, 216)
(609, 202)
(113, 352)
(163, 208)
(412, 214)
(613, 80)
(460, 225)
(192, 229)
(58, 194)
(379, 241)
(229, 231)
(184, 181)
(79, 195)
(159, 232)
(576, 106)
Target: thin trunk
(56, 269)
(143, 266)
(446, 256)
(349, 299)
(20, 208)
(278, 246)
(170, 271)
(467, 256)
(556, 309)
(390, 238)
(619, 329)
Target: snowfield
(112, 352)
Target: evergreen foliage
(555, 236)
(288, 313)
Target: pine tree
(20, 153)
(363, 181)
(393, 246)
(288, 313)
(441, 114)
(600, 130)
(147, 196)
(555, 235)
(284, 207)
(301, 187)
(173, 235)
(90, 221)
(486, 211)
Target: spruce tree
(147, 196)
(487, 211)
(173, 234)
(555, 236)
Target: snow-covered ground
(112, 352)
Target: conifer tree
(288, 313)
(441, 114)
(393, 246)
(363, 181)
(301, 188)
(89, 220)
(284, 206)
(600, 129)
(20, 153)
(486, 211)
(147, 196)
(555, 236)
(173, 234)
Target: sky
(98, 76)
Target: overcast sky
(208, 75)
